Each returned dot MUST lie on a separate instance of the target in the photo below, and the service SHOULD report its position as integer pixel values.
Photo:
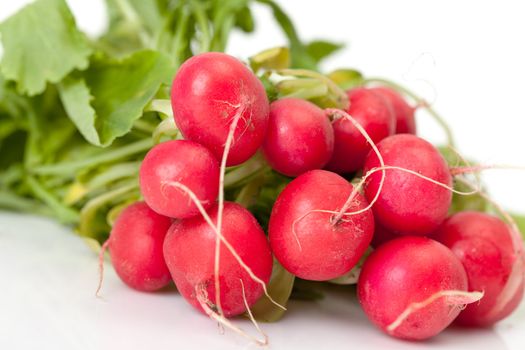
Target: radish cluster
(426, 266)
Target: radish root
(348, 203)
(455, 298)
(101, 266)
(207, 306)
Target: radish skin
(207, 92)
(135, 246)
(409, 204)
(403, 112)
(375, 115)
(303, 234)
(185, 162)
(189, 251)
(300, 137)
(485, 246)
(413, 287)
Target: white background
(466, 57)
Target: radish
(413, 287)
(135, 246)
(403, 112)
(299, 138)
(485, 246)
(179, 162)
(375, 115)
(189, 252)
(305, 234)
(207, 92)
(409, 204)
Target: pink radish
(305, 234)
(375, 115)
(189, 252)
(403, 112)
(409, 204)
(184, 162)
(299, 138)
(485, 246)
(413, 287)
(207, 92)
(135, 246)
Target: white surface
(47, 302)
(467, 57)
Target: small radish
(485, 246)
(413, 287)
(403, 112)
(375, 115)
(179, 162)
(189, 250)
(299, 137)
(305, 234)
(207, 92)
(409, 204)
(135, 246)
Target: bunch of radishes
(425, 267)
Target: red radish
(207, 92)
(189, 251)
(403, 112)
(306, 239)
(184, 162)
(299, 137)
(375, 115)
(413, 287)
(409, 204)
(485, 246)
(135, 246)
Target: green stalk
(89, 211)
(340, 95)
(68, 168)
(253, 166)
(202, 22)
(64, 213)
(11, 201)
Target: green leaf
(111, 94)
(461, 202)
(42, 44)
(274, 58)
(279, 288)
(244, 20)
(76, 97)
(320, 49)
(347, 78)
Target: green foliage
(41, 45)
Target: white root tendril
(219, 315)
(475, 190)
(337, 113)
(229, 140)
(224, 241)
(202, 298)
(250, 315)
(348, 203)
(456, 298)
(101, 267)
